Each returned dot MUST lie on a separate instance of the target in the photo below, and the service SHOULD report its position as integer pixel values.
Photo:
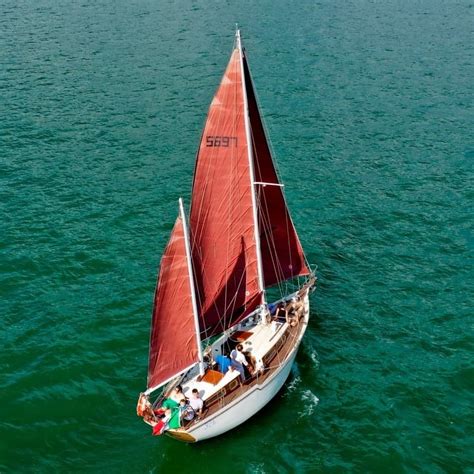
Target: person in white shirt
(196, 401)
(239, 360)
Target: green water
(369, 108)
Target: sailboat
(232, 301)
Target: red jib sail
(282, 254)
(173, 346)
(221, 219)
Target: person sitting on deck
(294, 311)
(250, 361)
(298, 307)
(223, 363)
(281, 311)
(239, 360)
(196, 402)
(186, 411)
(177, 394)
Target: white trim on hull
(249, 403)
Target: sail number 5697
(217, 140)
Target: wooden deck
(272, 360)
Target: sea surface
(369, 106)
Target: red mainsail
(173, 345)
(221, 218)
(282, 254)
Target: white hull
(248, 404)
(244, 408)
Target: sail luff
(261, 283)
(192, 287)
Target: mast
(251, 171)
(191, 285)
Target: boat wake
(293, 385)
(310, 402)
(315, 358)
